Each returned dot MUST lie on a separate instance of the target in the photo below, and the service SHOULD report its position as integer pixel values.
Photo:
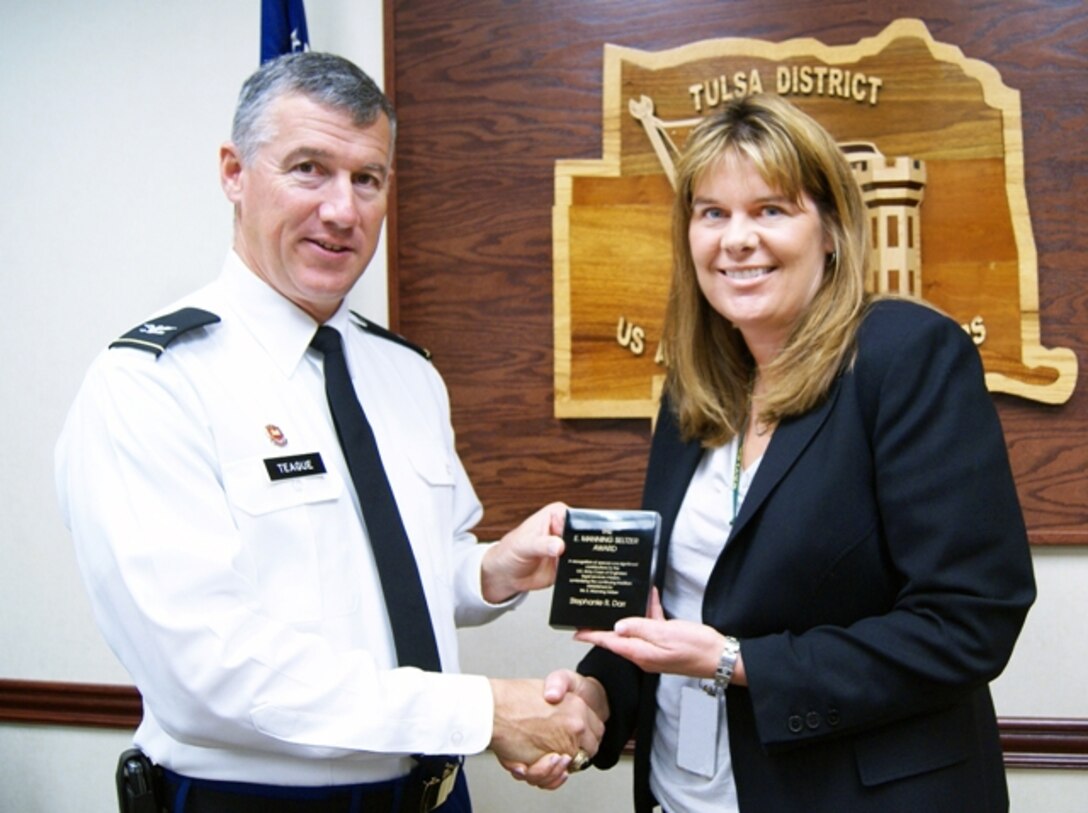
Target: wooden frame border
(1028, 742)
(390, 90)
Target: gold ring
(580, 761)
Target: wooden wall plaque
(936, 142)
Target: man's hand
(552, 770)
(527, 727)
(525, 558)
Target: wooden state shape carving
(936, 142)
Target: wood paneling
(490, 94)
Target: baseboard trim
(1028, 742)
(70, 704)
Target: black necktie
(401, 585)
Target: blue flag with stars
(283, 28)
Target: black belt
(187, 795)
(422, 790)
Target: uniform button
(795, 723)
(456, 737)
(812, 720)
(832, 717)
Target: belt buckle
(436, 789)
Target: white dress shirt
(249, 611)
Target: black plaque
(604, 573)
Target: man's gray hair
(327, 79)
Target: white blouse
(702, 527)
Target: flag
(283, 28)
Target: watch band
(727, 663)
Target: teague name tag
(299, 465)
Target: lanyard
(736, 473)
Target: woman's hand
(665, 647)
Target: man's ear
(230, 172)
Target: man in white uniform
(215, 518)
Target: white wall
(112, 114)
(111, 117)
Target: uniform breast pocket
(300, 577)
(430, 463)
(426, 502)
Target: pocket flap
(435, 468)
(915, 746)
(250, 487)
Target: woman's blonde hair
(710, 369)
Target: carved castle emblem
(934, 140)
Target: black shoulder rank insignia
(155, 335)
(378, 330)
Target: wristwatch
(727, 662)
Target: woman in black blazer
(843, 565)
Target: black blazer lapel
(669, 470)
(673, 462)
(787, 443)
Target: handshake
(543, 730)
(546, 730)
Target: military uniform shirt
(248, 609)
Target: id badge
(700, 718)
